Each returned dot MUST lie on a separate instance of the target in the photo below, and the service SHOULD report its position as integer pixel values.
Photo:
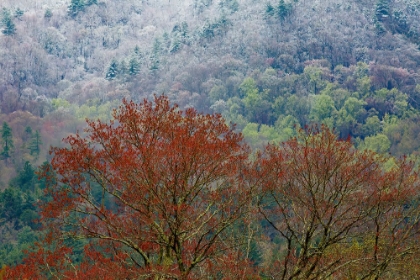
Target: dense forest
(271, 67)
(159, 193)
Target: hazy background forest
(268, 66)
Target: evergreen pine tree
(25, 178)
(112, 70)
(6, 141)
(48, 13)
(18, 13)
(269, 10)
(28, 133)
(283, 9)
(184, 29)
(154, 58)
(133, 67)
(7, 23)
(176, 45)
(75, 7)
(91, 2)
(166, 42)
(35, 144)
(123, 69)
(382, 9)
(137, 50)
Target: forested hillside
(257, 62)
(161, 193)
(271, 67)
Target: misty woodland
(209, 139)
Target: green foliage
(372, 126)
(9, 27)
(113, 70)
(26, 179)
(269, 10)
(256, 105)
(35, 144)
(218, 92)
(208, 30)
(378, 143)
(364, 86)
(201, 5)
(175, 45)
(322, 109)
(17, 207)
(349, 115)
(12, 253)
(250, 93)
(258, 135)
(26, 236)
(298, 107)
(59, 103)
(137, 50)
(48, 13)
(314, 77)
(18, 217)
(382, 9)
(94, 110)
(218, 27)
(279, 106)
(401, 24)
(6, 141)
(283, 10)
(91, 2)
(287, 127)
(28, 130)
(75, 7)
(230, 5)
(379, 27)
(184, 29)
(11, 203)
(155, 56)
(339, 95)
(133, 66)
(352, 108)
(123, 68)
(18, 13)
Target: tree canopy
(156, 189)
(162, 193)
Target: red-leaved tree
(335, 212)
(154, 191)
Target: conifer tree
(6, 141)
(283, 9)
(48, 13)
(134, 66)
(28, 132)
(175, 46)
(382, 9)
(18, 13)
(112, 70)
(91, 2)
(36, 142)
(75, 7)
(123, 69)
(137, 50)
(7, 23)
(154, 58)
(269, 10)
(184, 29)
